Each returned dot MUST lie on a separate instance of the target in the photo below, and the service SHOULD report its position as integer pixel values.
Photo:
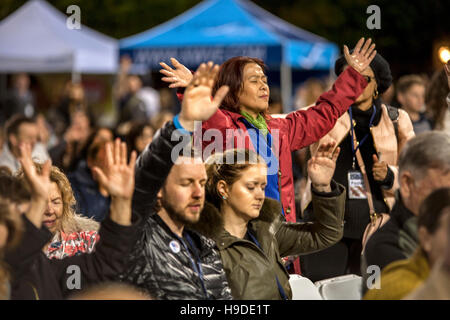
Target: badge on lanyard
(356, 188)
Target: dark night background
(410, 30)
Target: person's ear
(222, 189)
(13, 139)
(401, 98)
(424, 239)
(406, 182)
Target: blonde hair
(68, 199)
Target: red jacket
(297, 130)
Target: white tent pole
(76, 77)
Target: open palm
(322, 165)
(361, 56)
(178, 76)
(39, 181)
(197, 103)
(117, 177)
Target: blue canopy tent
(220, 29)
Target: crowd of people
(227, 196)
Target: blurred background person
(424, 166)
(75, 138)
(92, 199)
(19, 130)
(72, 101)
(437, 99)
(275, 101)
(308, 92)
(10, 233)
(140, 135)
(14, 200)
(161, 119)
(136, 100)
(19, 99)
(401, 278)
(411, 96)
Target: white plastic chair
(303, 288)
(348, 287)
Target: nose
(264, 86)
(198, 190)
(49, 209)
(260, 195)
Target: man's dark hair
(13, 125)
(433, 208)
(406, 82)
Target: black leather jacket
(160, 263)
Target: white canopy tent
(35, 38)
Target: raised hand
(178, 77)
(197, 103)
(322, 165)
(117, 177)
(39, 183)
(380, 169)
(361, 56)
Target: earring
(375, 94)
(224, 198)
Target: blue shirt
(263, 147)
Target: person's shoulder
(387, 234)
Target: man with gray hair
(424, 166)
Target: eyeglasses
(368, 78)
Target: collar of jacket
(202, 244)
(400, 212)
(212, 226)
(235, 117)
(363, 117)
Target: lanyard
(280, 288)
(195, 265)
(352, 131)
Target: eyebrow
(191, 179)
(257, 76)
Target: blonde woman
(72, 233)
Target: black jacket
(35, 277)
(396, 240)
(160, 263)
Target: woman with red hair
(243, 121)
